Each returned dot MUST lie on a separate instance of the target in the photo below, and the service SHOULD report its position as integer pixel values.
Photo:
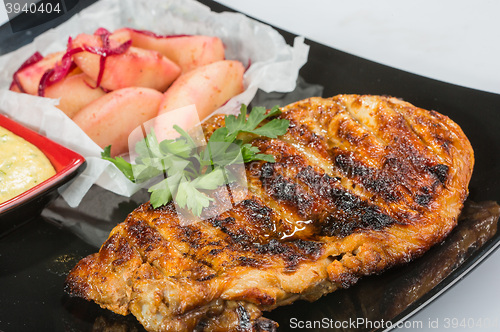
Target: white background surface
(454, 41)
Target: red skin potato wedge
(14, 88)
(136, 67)
(207, 87)
(29, 77)
(75, 92)
(110, 119)
(189, 52)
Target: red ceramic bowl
(68, 164)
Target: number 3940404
(32, 8)
(470, 323)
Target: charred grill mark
(240, 236)
(234, 230)
(259, 214)
(358, 214)
(316, 182)
(440, 171)
(423, 199)
(274, 247)
(249, 221)
(215, 251)
(309, 248)
(398, 156)
(292, 252)
(192, 236)
(371, 219)
(398, 178)
(321, 184)
(347, 212)
(221, 222)
(249, 261)
(143, 235)
(370, 178)
(206, 278)
(285, 191)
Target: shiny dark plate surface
(35, 258)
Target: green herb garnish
(188, 169)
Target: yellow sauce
(22, 165)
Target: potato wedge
(135, 67)
(75, 92)
(207, 87)
(110, 119)
(29, 77)
(189, 52)
(15, 88)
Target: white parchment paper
(274, 66)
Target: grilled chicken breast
(360, 184)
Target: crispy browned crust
(360, 183)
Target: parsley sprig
(188, 169)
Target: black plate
(35, 258)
